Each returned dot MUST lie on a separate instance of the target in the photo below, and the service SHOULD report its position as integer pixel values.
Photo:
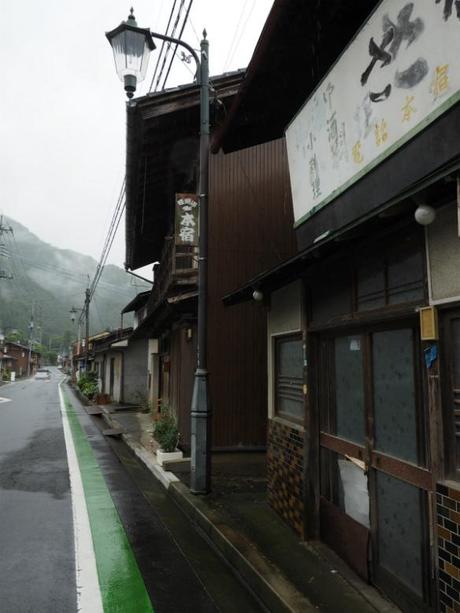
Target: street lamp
(131, 46)
(131, 50)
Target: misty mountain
(47, 282)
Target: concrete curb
(165, 477)
(264, 579)
(261, 576)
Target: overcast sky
(62, 106)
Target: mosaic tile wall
(285, 474)
(448, 518)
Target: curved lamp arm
(177, 41)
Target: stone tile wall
(285, 474)
(448, 520)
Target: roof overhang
(162, 157)
(299, 43)
(137, 302)
(438, 190)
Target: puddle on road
(40, 466)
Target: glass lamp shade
(425, 214)
(131, 49)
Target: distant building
(15, 358)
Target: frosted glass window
(394, 394)
(349, 400)
(289, 377)
(400, 536)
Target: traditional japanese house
(246, 214)
(20, 356)
(120, 362)
(363, 383)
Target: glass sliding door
(374, 475)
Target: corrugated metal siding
(250, 230)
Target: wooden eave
(299, 43)
(162, 159)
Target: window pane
(289, 377)
(394, 394)
(400, 530)
(290, 358)
(350, 420)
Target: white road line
(88, 590)
(5, 399)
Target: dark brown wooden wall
(183, 355)
(250, 230)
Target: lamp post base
(200, 476)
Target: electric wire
(194, 30)
(163, 43)
(115, 222)
(169, 45)
(237, 37)
(179, 37)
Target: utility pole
(31, 331)
(87, 301)
(201, 413)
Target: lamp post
(131, 48)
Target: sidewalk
(285, 574)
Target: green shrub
(87, 384)
(146, 405)
(165, 431)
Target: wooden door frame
(420, 477)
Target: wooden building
(363, 389)
(246, 195)
(19, 356)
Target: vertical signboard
(187, 219)
(398, 75)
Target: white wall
(116, 396)
(135, 376)
(443, 256)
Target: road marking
(88, 589)
(119, 579)
(5, 399)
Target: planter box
(168, 456)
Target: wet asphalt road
(37, 564)
(180, 571)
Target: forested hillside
(47, 282)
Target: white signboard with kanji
(400, 73)
(187, 219)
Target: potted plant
(166, 434)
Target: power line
(194, 30)
(162, 46)
(173, 35)
(179, 37)
(237, 38)
(116, 217)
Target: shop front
(375, 481)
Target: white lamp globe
(425, 214)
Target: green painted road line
(121, 583)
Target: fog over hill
(49, 281)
